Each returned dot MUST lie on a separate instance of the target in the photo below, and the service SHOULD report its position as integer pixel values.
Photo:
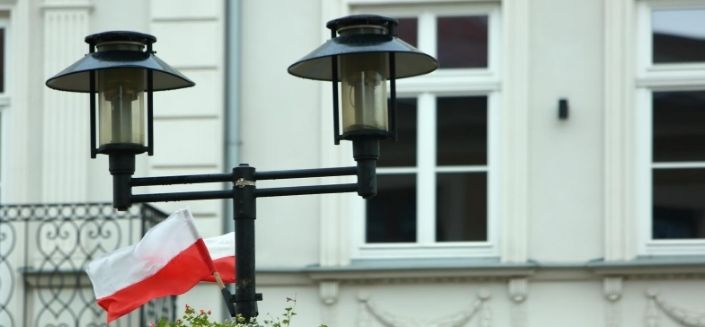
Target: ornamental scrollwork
(372, 312)
(43, 249)
(682, 316)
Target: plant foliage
(202, 318)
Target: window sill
(674, 248)
(401, 251)
(422, 268)
(454, 269)
(651, 265)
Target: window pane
(678, 206)
(678, 35)
(2, 60)
(461, 134)
(408, 30)
(461, 207)
(391, 215)
(678, 126)
(403, 151)
(462, 42)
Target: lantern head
(122, 69)
(363, 53)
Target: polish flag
(170, 259)
(222, 251)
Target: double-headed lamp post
(121, 69)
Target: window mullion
(427, 33)
(643, 153)
(426, 177)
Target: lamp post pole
(363, 53)
(245, 209)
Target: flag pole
(227, 296)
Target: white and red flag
(170, 259)
(222, 251)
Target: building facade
(46, 174)
(547, 174)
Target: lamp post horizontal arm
(182, 179)
(260, 193)
(181, 196)
(302, 190)
(306, 173)
(228, 177)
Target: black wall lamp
(563, 109)
(362, 54)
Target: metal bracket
(239, 299)
(241, 182)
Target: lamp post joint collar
(241, 182)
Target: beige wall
(279, 119)
(565, 188)
(45, 132)
(562, 221)
(565, 156)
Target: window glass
(401, 152)
(391, 215)
(461, 207)
(408, 30)
(461, 135)
(462, 42)
(678, 206)
(678, 126)
(2, 60)
(678, 35)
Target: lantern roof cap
(364, 19)
(77, 77)
(318, 64)
(112, 36)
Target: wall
(279, 119)
(565, 156)
(555, 230)
(565, 255)
(45, 132)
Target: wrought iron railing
(43, 250)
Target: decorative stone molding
(65, 128)
(518, 290)
(485, 313)
(618, 130)
(328, 291)
(612, 287)
(682, 316)
(516, 26)
(66, 4)
(651, 317)
(370, 314)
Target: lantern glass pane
(364, 92)
(121, 105)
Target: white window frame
(441, 83)
(4, 105)
(656, 78)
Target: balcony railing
(43, 250)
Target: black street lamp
(363, 53)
